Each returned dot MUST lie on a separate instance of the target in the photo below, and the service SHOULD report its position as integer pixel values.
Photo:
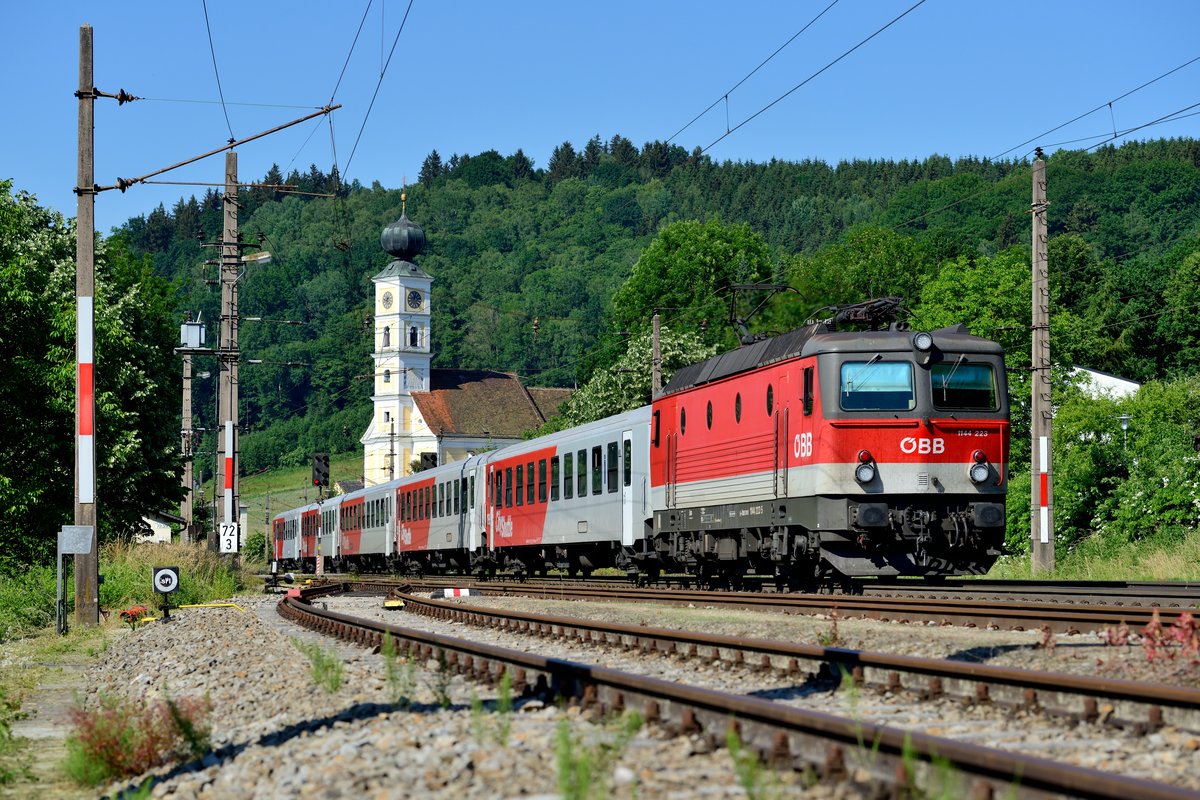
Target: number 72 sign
(229, 537)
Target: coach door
(781, 452)
(626, 488)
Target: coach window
(428, 502)
(457, 496)
(520, 484)
(628, 462)
(529, 483)
(568, 476)
(542, 481)
(737, 407)
(597, 469)
(471, 493)
(808, 391)
(441, 500)
(581, 460)
(497, 488)
(708, 415)
(508, 487)
(554, 478)
(613, 466)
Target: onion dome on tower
(403, 239)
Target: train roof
(817, 338)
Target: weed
(326, 666)
(125, 738)
(400, 672)
(758, 782)
(1047, 642)
(830, 637)
(584, 770)
(11, 749)
(1160, 642)
(483, 728)
(441, 684)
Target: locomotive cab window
(877, 386)
(962, 385)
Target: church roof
(548, 399)
(402, 269)
(481, 402)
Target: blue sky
(955, 77)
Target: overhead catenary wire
(1098, 108)
(807, 80)
(217, 72)
(734, 88)
(382, 73)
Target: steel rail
(785, 735)
(972, 681)
(1009, 615)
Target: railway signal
(320, 469)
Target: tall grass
(26, 602)
(27, 599)
(1167, 556)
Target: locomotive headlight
(980, 472)
(864, 473)
(922, 341)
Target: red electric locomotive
(824, 453)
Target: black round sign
(166, 579)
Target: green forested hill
(509, 244)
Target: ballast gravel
(277, 733)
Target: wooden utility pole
(87, 566)
(227, 354)
(1042, 495)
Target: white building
(433, 416)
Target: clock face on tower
(414, 299)
(387, 299)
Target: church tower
(402, 355)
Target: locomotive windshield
(964, 386)
(877, 386)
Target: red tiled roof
(468, 402)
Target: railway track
(1183, 595)
(833, 746)
(1019, 615)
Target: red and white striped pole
(87, 574)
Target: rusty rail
(799, 738)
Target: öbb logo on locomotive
(922, 445)
(782, 498)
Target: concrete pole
(655, 360)
(87, 567)
(185, 507)
(227, 393)
(1042, 495)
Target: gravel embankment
(276, 733)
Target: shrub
(122, 739)
(26, 602)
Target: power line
(352, 46)
(220, 91)
(382, 73)
(730, 91)
(762, 110)
(1098, 108)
